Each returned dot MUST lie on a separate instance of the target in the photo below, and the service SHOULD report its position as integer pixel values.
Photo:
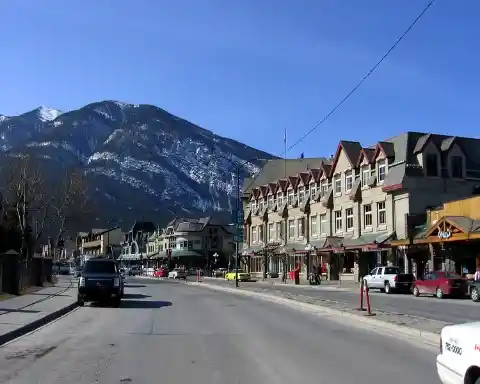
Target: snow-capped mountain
(141, 160)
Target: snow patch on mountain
(48, 114)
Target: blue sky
(248, 69)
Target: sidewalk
(326, 284)
(23, 314)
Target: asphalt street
(452, 311)
(174, 333)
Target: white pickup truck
(459, 359)
(388, 280)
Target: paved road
(452, 311)
(175, 333)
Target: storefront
(450, 243)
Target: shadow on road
(144, 304)
(135, 296)
(47, 294)
(134, 286)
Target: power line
(365, 77)
(377, 64)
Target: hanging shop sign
(444, 234)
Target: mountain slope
(141, 160)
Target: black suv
(100, 281)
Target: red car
(441, 284)
(161, 272)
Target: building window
(280, 199)
(349, 218)
(271, 232)
(291, 229)
(270, 202)
(348, 180)
(382, 170)
(367, 215)
(337, 184)
(382, 213)
(279, 231)
(301, 227)
(323, 224)
(254, 234)
(365, 176)
(324, 187)
(313, 189)
(301, 194)
(313, 225)
(456, 164)
(291, 196)
(260, 233)
(431, 163)
(338, 221)
(254, 205)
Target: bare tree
(70, 203)
(26, 194)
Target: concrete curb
(392, 329)
(30, 327)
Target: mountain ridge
(139, 158)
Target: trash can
(297, 276)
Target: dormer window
(254, 207)
(337, 182)
(324, 187)
(431, 165)
(456, 166)
(365, 175)
(280, 198)
(313, 189)
(348, 180)
(301, 194)
(270, 201)
(260, 204)
(291, 197)
(382, 170)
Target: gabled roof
(263, 191)
(282, 185)
(293, 181)
(314, 175)
(326, 170)
(255, 193)
(365, 153)
(272, 188)
(384, 147)
(422, 142)
(304, 177)
(352, 151)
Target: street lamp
(309, 248)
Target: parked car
(457, 361)
(220, 272)
(177, 273)
(100, 281)
(441, 284)
(161, 272)
(135, 270)
(474, 290)
(242, 276)
(389, 279)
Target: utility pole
(237, 207)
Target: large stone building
(344, 211)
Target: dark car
(100, 281)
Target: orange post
(369, 309)
(362, 286)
